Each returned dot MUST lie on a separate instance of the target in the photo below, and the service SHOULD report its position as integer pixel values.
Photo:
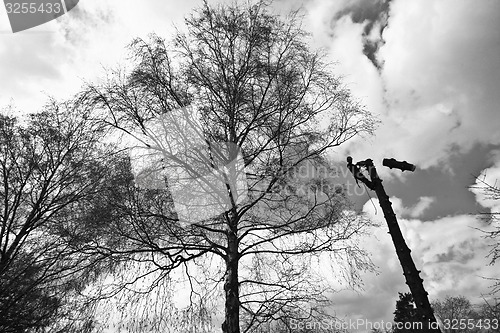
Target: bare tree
(258, 112)
(489, 312)
(454, 311)
(49, 163)
(491, 192)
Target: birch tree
(232, 124)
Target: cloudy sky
(430, 71)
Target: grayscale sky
(430, 71)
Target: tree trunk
(231, 286)
(410, 272)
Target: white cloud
(421, 206)
(438, 89)
(489, 177)
(414, 211)
(57, 57)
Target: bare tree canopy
(232, 123)
(50, 164)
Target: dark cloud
(449, 183)
(374, 14)
(462, 253)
